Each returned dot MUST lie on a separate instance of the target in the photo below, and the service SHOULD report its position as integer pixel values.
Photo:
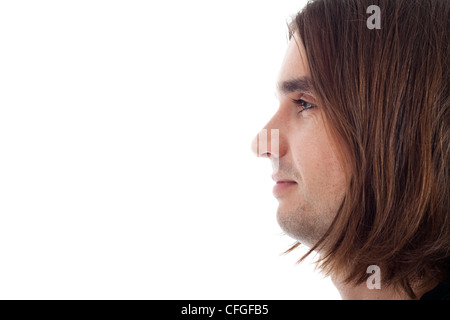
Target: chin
(289, 220)
(300, 225)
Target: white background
(125, 162)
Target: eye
(304, 105)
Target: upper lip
(278, 178)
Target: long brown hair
(385, 94)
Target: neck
(361, 292)
(349, 291)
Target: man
(360, 144)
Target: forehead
(294, 63)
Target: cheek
(316, 161)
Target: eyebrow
(302, 84)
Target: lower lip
(282, 187)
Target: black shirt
(440, 292)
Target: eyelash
(301, 103)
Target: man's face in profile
(310, 181)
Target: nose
(266, 144)
(271, 142)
